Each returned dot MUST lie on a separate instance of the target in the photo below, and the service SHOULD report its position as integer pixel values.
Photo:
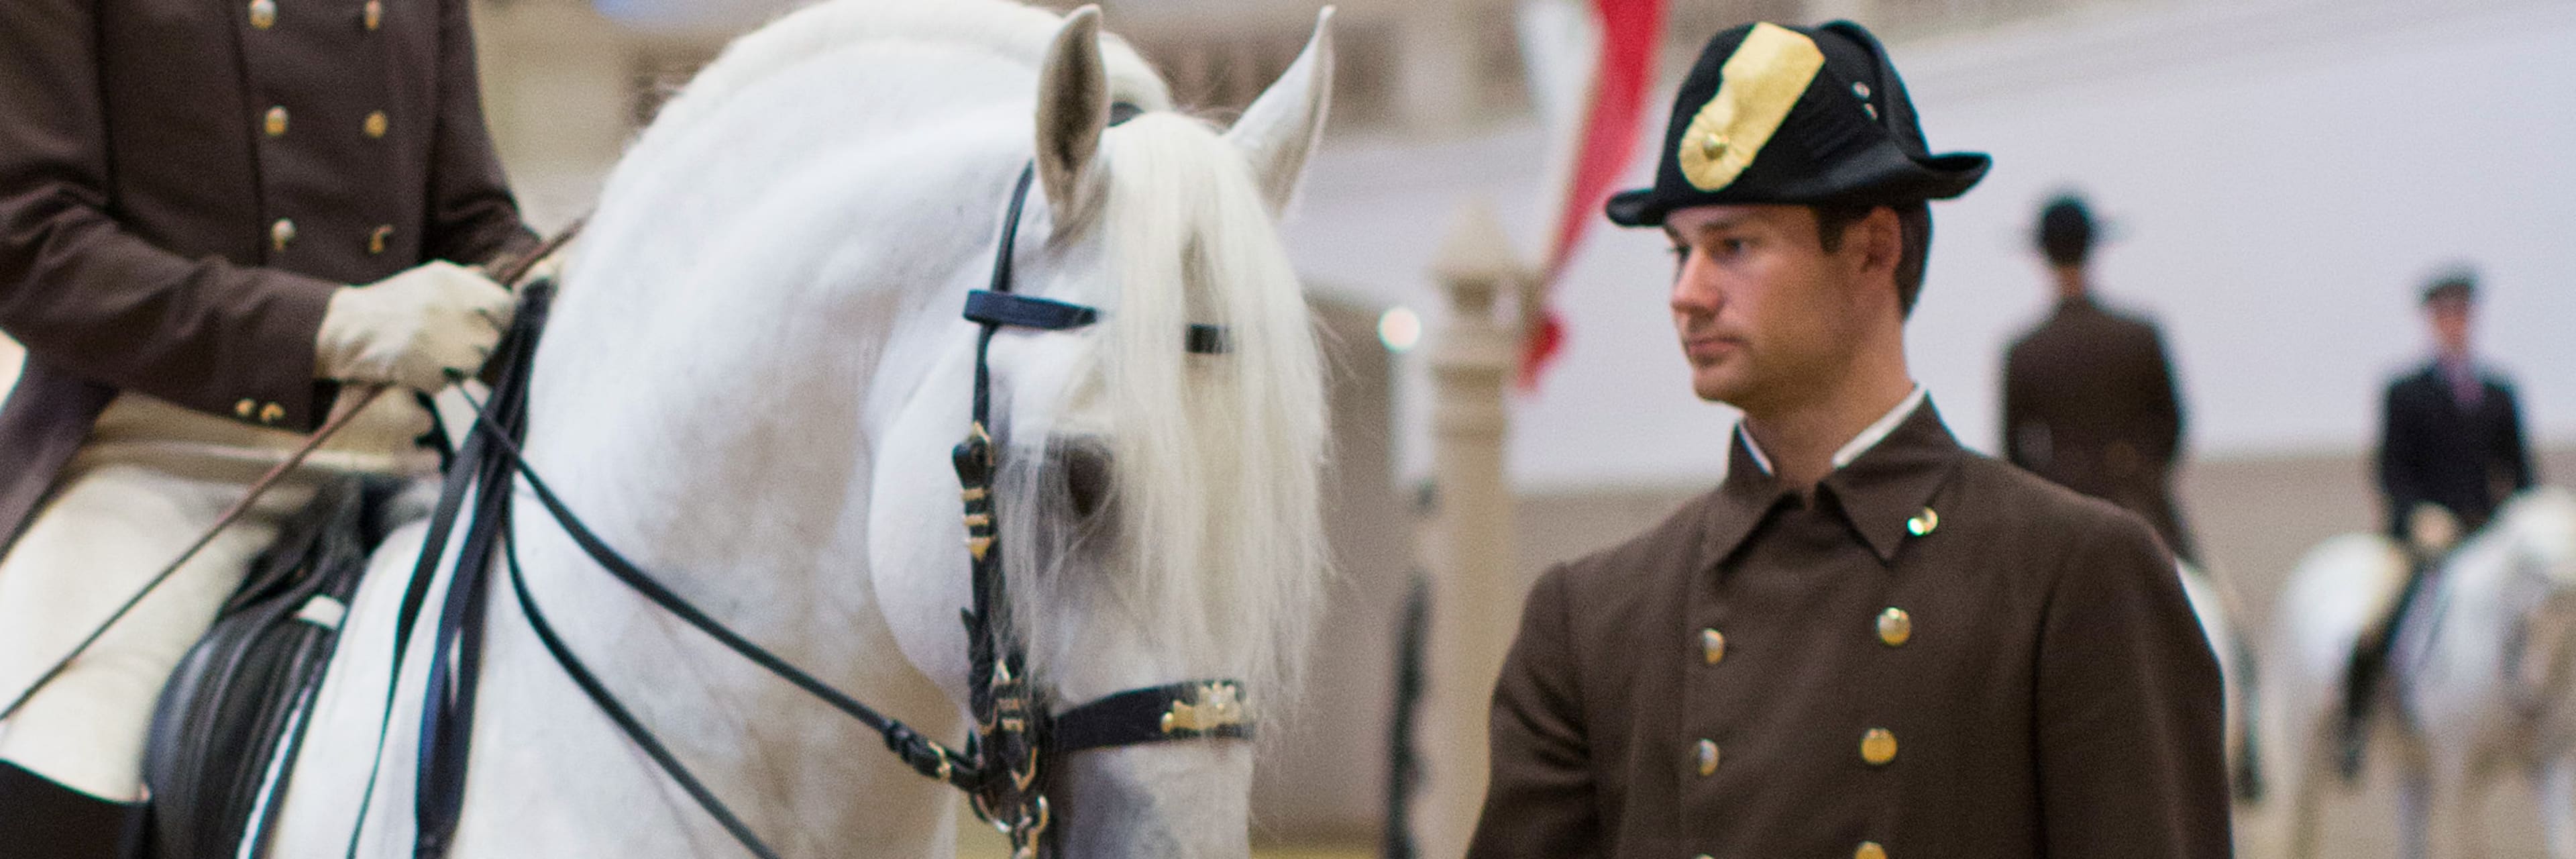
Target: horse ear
(1073, 109)
(1281, 127)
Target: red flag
(1615, 108)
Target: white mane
(1217, 455)
(1004, 29)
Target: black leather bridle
(999, 769)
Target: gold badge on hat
(1761, 81)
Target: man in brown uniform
(1868, 641)
(2089, 396)
(190, 193)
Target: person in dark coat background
(214, 214)
(2089, 394)
(2450, 443)
(1867, 641)
(2451, 451)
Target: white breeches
(151, 479)
(103, 535)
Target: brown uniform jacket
(2089, 402)
(1736, 683)
(184, 182)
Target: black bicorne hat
(1774, 114)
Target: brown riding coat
(184, 182)
(2046, 693)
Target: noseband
(1014, 732)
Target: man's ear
(1882, 235)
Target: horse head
(1155, 505)
(2537, 535)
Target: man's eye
(1732, 247)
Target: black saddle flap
(225, 732)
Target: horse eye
(1086, 476)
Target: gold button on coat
(376, 241)
(1712, 645)
(280, 233)
(245, 409)
(275, 122)
(1895, 626)
(1923, 522)
(1878, 747)
(263, 14)
(375, 14)
(376, 124)
(1870, 850)
(1707, 753)
(272, 413)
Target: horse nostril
(1086, 476)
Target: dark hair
(2458, 284)
(2066, 231)
(1914, 241)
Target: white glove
(413, 328)
(2431, 529)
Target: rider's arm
(2399, 459)
(472, 218)
(2516, 451)
(87, 296)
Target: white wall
(2280, 177)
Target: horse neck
(749, 294)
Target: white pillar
(1476, 587)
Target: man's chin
(1729, 391)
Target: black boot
(2360, 687)
(40, 819)
(2369, 668)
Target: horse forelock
(1216, 456)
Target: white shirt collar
(1860, 444)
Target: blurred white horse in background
(2481, 682)
(751, 384)
(2214, 603)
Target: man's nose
(1695, 287)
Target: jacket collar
(1883, 491)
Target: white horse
(751, 385)
(2479, 682)
(2214, 604)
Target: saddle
(230, 721)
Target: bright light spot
(1400, 329)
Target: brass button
(263, 14)
(1712, 645)
(245, 409)
(375, 14)
(272, 413)
(281, 233)
(1895, 626)
(1878, 747)
(1870, 850)
(1707, 756)
(1712, 146)
(376, 124)
(1923, 522)
(376, 241)
(275, 123)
